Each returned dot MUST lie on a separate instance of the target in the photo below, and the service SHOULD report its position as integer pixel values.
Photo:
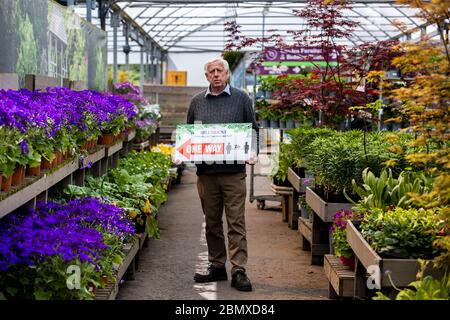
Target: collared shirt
(226, 90)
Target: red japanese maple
(335, 84)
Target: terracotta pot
(55, 162)
(85, 146)
(348, 262)
(68, 154)
(106, 138)
(6, 183)
(17, 176)
(1, 178)
(33, 171)
(58, 157)
(45, 164)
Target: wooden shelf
(130, 136)
(112, 289)
(35, 186)
(341, 278)
(325, 210)
(401, 271)
(92, 157)
(110, 150)
(299, 183)
(142, 145)
(305, 228)
(29, 192)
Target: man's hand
(253, 158)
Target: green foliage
(337, 161)
(48, 281)
(233, 58)
(385, 191)
(137, 185)
(293, 154)
(100, 69)
(10, 151)
(301, 138)
(403, 233)
(341, 246)
(425, 288)
(27, 51)
(76, 47)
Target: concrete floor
(277, 267)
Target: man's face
(217, 75)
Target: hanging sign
(299, 54)
(213, 142)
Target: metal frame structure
(156, 27)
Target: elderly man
(223, 185)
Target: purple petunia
(340, 219)
(70, 231)
(59, 108)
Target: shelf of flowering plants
(32, 188)
(112, 288)
(385, 272)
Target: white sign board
(213, 142)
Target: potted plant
(342, 249)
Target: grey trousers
(216, 192)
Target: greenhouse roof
(183, 25)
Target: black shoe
(240, 281)
(214, 274)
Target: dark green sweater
(224, 108)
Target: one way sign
(213, 142)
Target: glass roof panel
(181, 24)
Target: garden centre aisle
(277, 267)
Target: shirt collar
(226, 90)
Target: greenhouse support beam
(115, 22)
(89, 10)
(141, 71)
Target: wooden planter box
(299, 183)
(285, 193)
(112, 289)
(114, 148)
(142, 145)
(36, 187)
(325, 210)
(341, 278)
(130, 136)
(93, 157)
(314, 237)
(402, 271)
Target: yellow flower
(147, 209)
(132, 214)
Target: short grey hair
(223, 61)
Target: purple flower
(340, 219)
(24, 147)
(71, 231)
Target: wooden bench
(341, 278)
(314, 237)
